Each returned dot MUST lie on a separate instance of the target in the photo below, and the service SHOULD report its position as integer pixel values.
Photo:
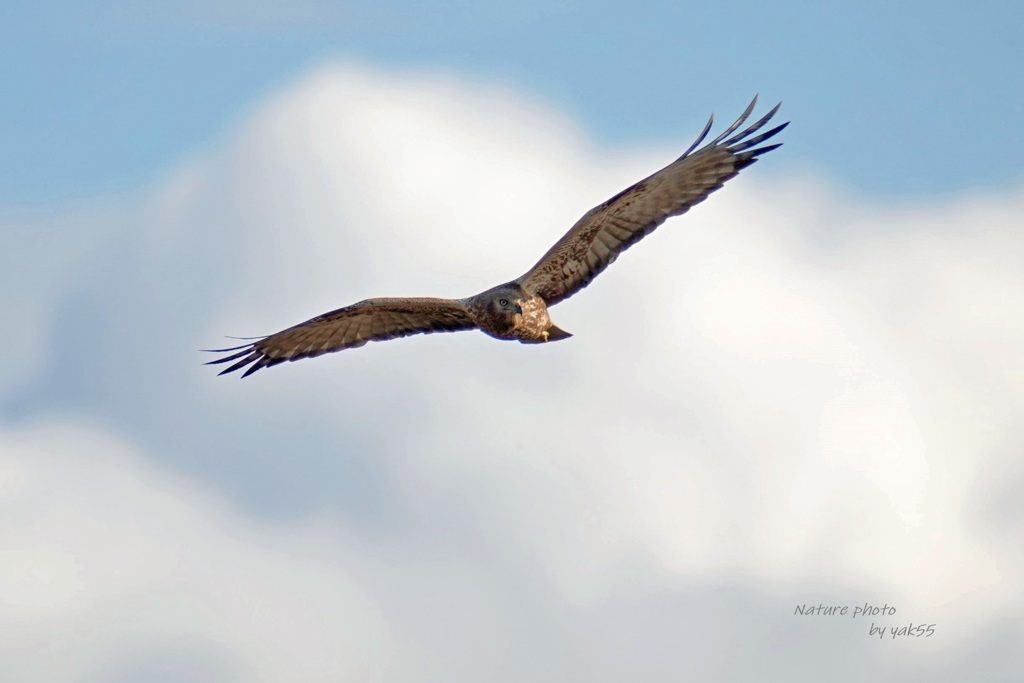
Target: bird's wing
(609, 229)
(349, 327)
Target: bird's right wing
(349, 327)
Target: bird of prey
(519, 309)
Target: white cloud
(783, 397)
(109, 560)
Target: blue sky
(101, 97)
(809, 389)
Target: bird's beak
(519, 306)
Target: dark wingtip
(700, 138)
(250, 358)
(246, 352)
(737, 123)
(217, 361)
(736, 146)
(766, 148)
(263, 362)
(233, 348)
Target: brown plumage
(518, 309)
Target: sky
(103, 97)
(807, 391)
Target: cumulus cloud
(116, 568)
(788, 396)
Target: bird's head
(506, 302)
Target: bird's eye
(503, 302)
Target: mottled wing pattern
(609, 229)
(349, 327)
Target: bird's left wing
(349, 327)
(604, 232)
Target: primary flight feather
(518, 309)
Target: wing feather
(349, 327)
(607, 230)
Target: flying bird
(519, 309)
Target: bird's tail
(557, 334)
